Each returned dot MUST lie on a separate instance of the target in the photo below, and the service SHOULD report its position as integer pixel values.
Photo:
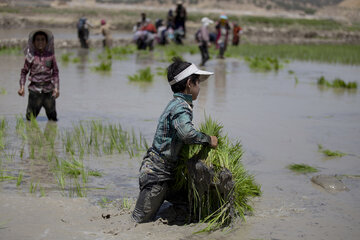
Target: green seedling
(65, 58)
(212, 207)
(75, 60)
(104, 66)
(19, 179)
(263, 64)
(330, 153)
(302, 168)
(126, 203)
(291, 72)
(33, 187)
(3, 91)
(104, 202)
(336, 83)
(144, 75)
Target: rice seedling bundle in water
(218, 186)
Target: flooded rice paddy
(278, 119)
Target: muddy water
(278, 120)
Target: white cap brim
(190, 70)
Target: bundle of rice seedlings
(218, 186)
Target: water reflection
(144, 57)
(83, 55)
(41, 151)
(220, 81)
(337, 91)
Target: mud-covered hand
(21, 91)
(56, 93)
(214, 141)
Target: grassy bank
(345, 54)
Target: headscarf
(30, 49)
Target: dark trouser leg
(149, 201)
(50, 106)
(34, 104)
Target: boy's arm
(185, 128)
(24, 72)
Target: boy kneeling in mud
(175, 128)
(44, 75)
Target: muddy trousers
(151, 198)
(204, 53)
(38, 100)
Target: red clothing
(149, 27)
(236, 34)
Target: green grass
(104, 66)
(302, 168)
(263, 64)
(10, 50)
(144, 75)
(3, 91)
(66, 57)
(213, 207)
(64, 151)
(336, 83)
(329, 53)
(330, 153)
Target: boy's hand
(56, 93)
(21, 91)
(214, 141)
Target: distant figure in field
(144, 35)
(44, 75)
(237, 31)
(223, 29)
(161, 32)
(83, 32)
(203, 38)
(105, 31)
(180, 17)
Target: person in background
(83, 32)
(180, 18)
(161, 32)
(170, 20)
(174, 130)
(237, 31)
(105, 31)
(202, 37)
(223, 29)
(44, 75)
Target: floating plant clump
(263, 64)
(302, 168)
(144, 75)
(330, 153)
(336, 83)
(219, 187)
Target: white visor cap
(192, 69)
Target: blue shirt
(175, 128)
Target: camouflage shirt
(175, 128)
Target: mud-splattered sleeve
(24, 72)
(55, 73)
